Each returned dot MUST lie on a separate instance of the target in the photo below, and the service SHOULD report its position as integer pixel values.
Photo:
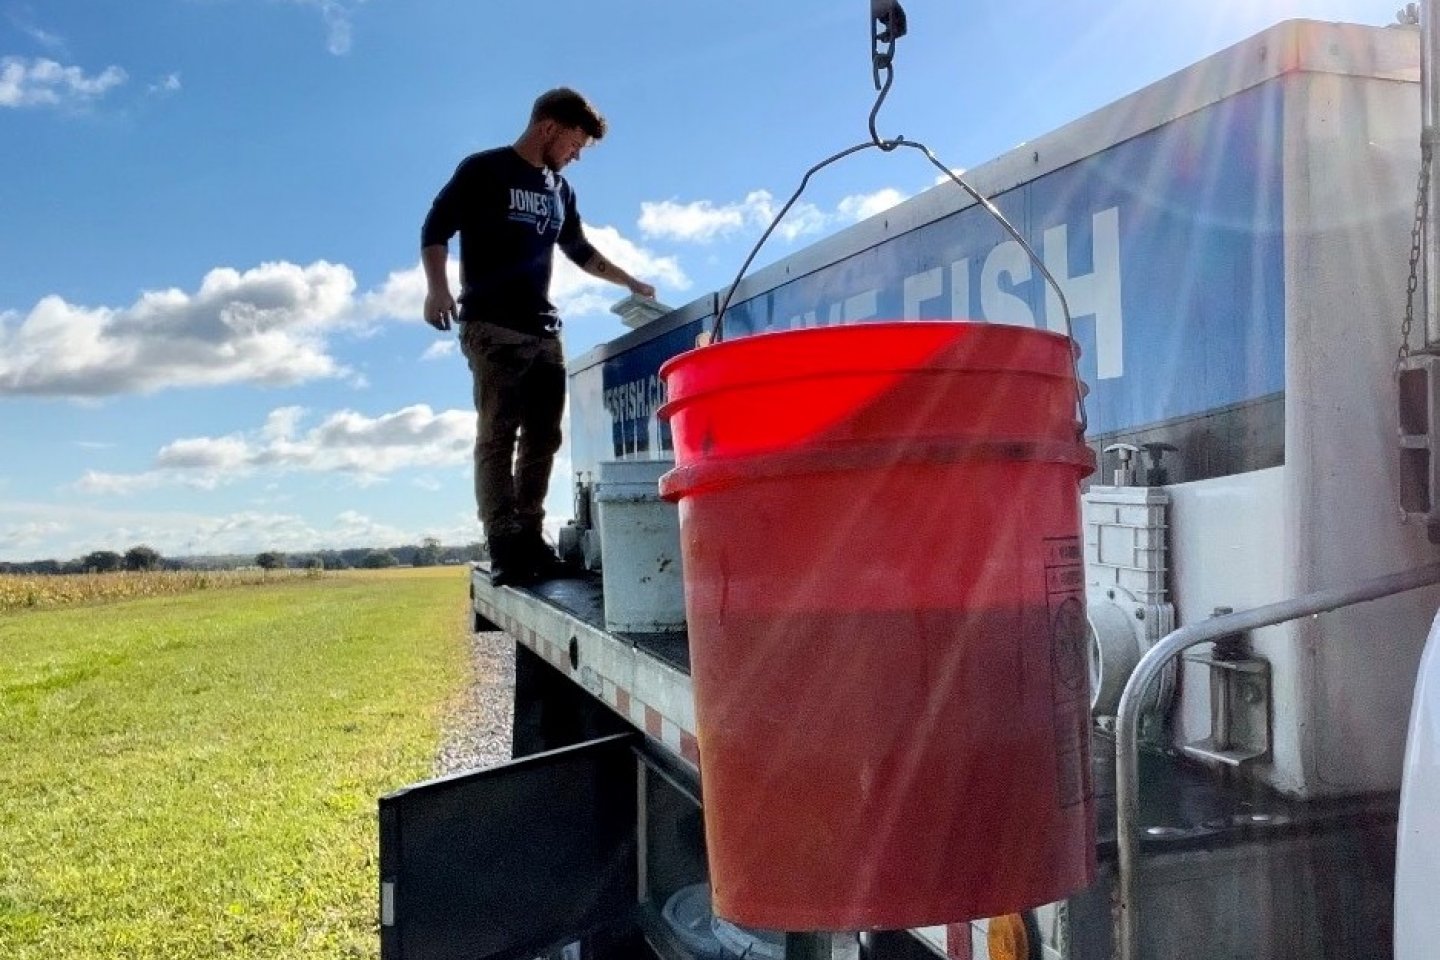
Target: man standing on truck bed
(512, 208)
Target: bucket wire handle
(888, 24)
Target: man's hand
(642, 289)
(440, 309)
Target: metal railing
(1127, 737)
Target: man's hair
(569, 109)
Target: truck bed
(582, 597)
(1211, 838)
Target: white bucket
(639, 548)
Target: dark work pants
(519, 391)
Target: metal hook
(887, 24)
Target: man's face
(564, 144)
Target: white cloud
(281, 423)
(252, 531)
(267, 325)
(72, 530)
(116, 484)
(366, 449)
(354, 527)
(440, 349)
(697, 222)
(800, 220)
(336, 13)
(575, 293)
(42, 82)
(170, 83)
(206, 453)
(863, 205)
(944, 178)
(28, 536)
(50, 41)
(414, 436)
(703, 221)
(402, 295)
(270, 325)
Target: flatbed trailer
(630, 720)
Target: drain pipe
(1127, 736)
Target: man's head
(564, 123)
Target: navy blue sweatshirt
(510, 216)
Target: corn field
(35, 592)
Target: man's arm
(587, 258)
(439, 302)
(600, 266)
(442, 223)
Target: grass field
(195, 775)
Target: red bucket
(884, 586)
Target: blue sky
(210, 335)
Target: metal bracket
(1239, 708)
(1418, 382)
(1127, 722)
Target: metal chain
(1417, 233)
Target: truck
(1244, 250)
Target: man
(512, 208)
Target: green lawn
(196, 776)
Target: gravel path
(477, 732)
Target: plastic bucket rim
(738, 469)
(668, 409)
(849, 329)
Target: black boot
(539, 557)
(509, 565)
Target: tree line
(429, 552)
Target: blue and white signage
(1168, 246)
